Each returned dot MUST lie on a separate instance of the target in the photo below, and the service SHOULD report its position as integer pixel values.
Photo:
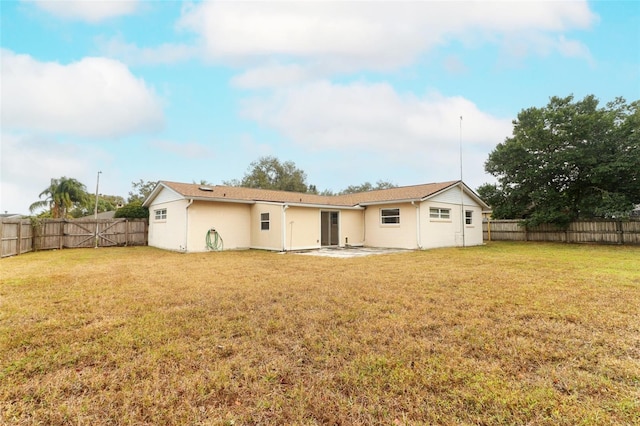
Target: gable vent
(206, 188)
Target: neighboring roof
(102, 215)
(252, 195)
(10, 216)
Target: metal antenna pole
(462, 212)
(95, 212)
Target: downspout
(186, 224)
(418, 233)
(364, 225)
(284, 227)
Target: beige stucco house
(183, 215)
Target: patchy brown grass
(506, 333)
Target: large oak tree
(567, 161)
(270, 173)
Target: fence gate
(79, 235)
(22, 236)
(101, 233)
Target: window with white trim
(390, 216)
(438, 213)
(264, 221)
(160, 214)
(468, 217)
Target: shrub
(132, 211)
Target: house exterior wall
(184, 225)
(352, 227)
(302, 228)
(230, 220)
(436, 232)
(402, 235)
(440, 232)
(270, 239)
(168, 233)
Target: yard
(506, 333)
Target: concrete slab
(348, 252)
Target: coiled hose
(217, 244)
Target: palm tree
(61, 195)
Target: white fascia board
(222, 200)
(147, 202)
(325, 206)
(468, 190)
(403, 201)
(312, 206)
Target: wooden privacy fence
(21, 236)
(16, 237)
(599, 232)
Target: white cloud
(397, 129)
(272, 75)
(129, 53)
(87, 10)
(573, 48)
(94, 97)
(29, 162)
(348, 36)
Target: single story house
(183, 217)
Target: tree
(269, 173)
(566, 161)
(132, 211)
(106, 203)
(141, 189)
(62, 195)
(367, 186)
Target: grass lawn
(507, 333)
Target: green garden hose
(217, 244)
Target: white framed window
(468, 217)
(160, 214)
(390, 216)
(264, 221)
(438, 213)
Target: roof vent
(206, 188)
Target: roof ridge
(377, 196)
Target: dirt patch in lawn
(349, 252)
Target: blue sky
(349, 91)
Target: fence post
(61, 239)
(19, 242)
(619, 231)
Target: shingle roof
(235, 193)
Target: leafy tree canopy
(367, 186)
(270, 173)
(566, 161)
(61, 197)
(141, 189)
(132, 210)
(106, 203)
